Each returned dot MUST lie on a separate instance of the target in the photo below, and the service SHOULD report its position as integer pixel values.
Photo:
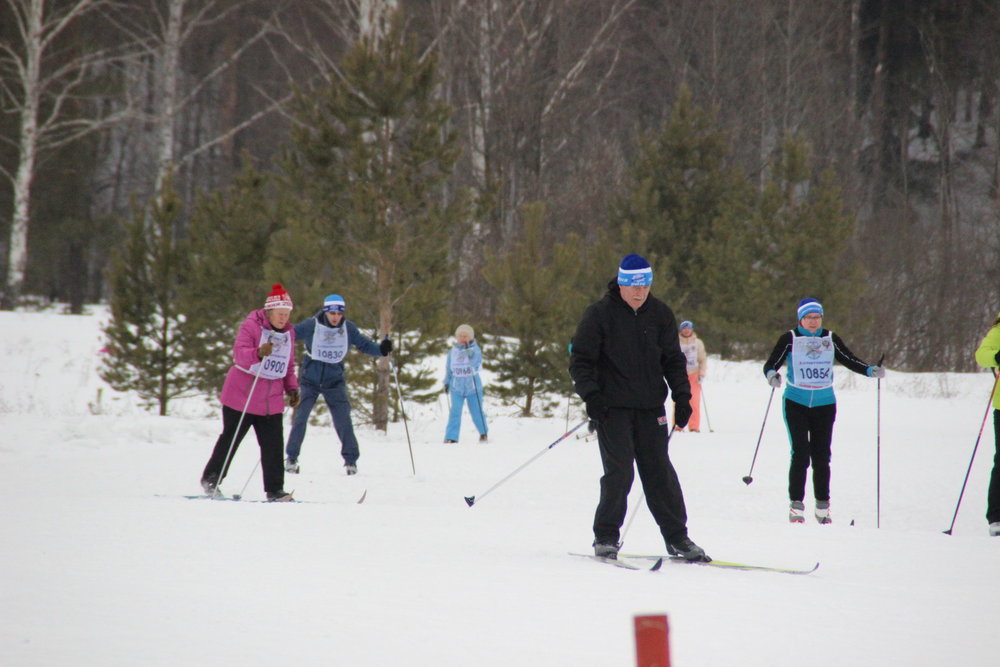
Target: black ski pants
(993, 499)
(270, 439)
(810, 431)
(628, 436)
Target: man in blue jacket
(328, 337)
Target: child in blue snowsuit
(328, 337)
(461, 380)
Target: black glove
(682, 412)
(294, 398)
(597, 409)
(385, 347)
(998, 358)
(446, 387)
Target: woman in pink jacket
(263, 373)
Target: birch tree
(45, 72)
(175, 83)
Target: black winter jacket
(624, 355)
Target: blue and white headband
(635, 271)
(334, 303)
(808, 306)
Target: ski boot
(292, 466)
(823, 512)
(279, 497)
(210, 486)
(683, 546)
(605, 550)
(796, 512)
(351, 468)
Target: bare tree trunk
(380, 408)
(168, 76)
(880, 119)
(37, 34)
(372, 18)
(17, 253)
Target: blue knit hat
(334, 303)
(635, 272)
(686, 324)
(809, 305)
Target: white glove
(774, 379)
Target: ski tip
(470, 500)
(363, 496)
(657, 565)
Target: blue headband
(635, 271)
(808, 306)
(334, 303)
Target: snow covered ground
(104, 562)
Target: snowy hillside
(104, 562)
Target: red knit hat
(278, 298)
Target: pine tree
(539, 301)
(681, 184)
(146, 352)
(228, 237)
(806, 230)
(789, 245)
(370, 156)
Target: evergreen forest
(490, 162)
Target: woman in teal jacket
(988, 355)
(810, 404)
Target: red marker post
(652, 641)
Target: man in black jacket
(625, 346)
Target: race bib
(275, 365)
(812, 361)
(690, 351)
(461, 366)
(329, 344)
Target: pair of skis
(628, 562)
(238, 498)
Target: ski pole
(402, 411)
(642, 497)
(704, 404)
(237, 496)
(479, 402)
(978, 438)
(232, 443)
(569, 402)
(470, 500)
(628, 524)
(878, 448)
(749, 476)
